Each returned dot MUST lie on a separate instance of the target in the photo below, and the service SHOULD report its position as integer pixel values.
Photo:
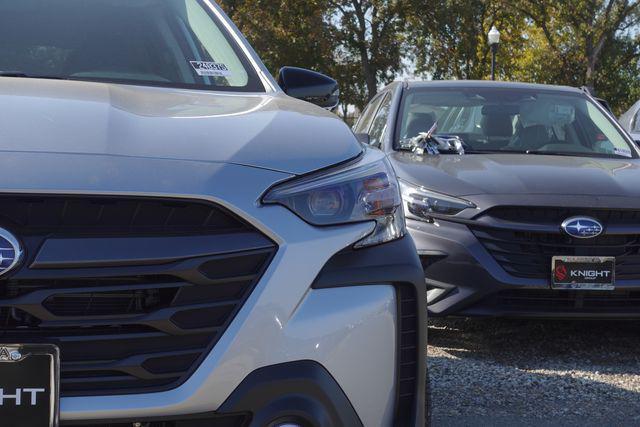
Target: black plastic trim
(125, 251)
(395, 263)
(301, 390)
(196, 420)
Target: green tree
(450, 38)
(370, 36)
(286, 32)
(578, 31)
(616, 79)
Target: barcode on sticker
(211, 69)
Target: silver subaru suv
(182, 242)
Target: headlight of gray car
(357, 192)
(422, 204)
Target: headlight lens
(422, 204)
(355, 193)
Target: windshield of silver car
(175, 43)
(497, 120)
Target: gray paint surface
(271, 131)
(523, 174)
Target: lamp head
(494, 36)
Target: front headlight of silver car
(359, 192)
(423, 204)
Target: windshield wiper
(21, 74)
(575, 154)
(550, 153)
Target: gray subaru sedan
(523, 200)
(182, 242)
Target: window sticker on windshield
(622, 152)
(210, 69)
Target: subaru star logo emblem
(10, 251)
(582, 227)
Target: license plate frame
(586, 273)
(30, 383)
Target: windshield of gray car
(499, 120)
(176, 43)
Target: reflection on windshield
(511, 121)
(176, 43)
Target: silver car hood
(270, 131)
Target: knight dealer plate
(29, 385)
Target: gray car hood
(473, 174)
(270, 131)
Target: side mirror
(363, 138)
(310, 86)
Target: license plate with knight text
(583, 273)
(29, 385)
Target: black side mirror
(310, 86)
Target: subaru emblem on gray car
(10, 251)
(582, 227)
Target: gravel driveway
(488, 372)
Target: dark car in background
(523, 199)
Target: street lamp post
(494, 41)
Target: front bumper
(350, 329)
(464, 279)
(351, 352)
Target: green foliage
(370, 35)
(286, 32)
(365, 44)
(617, 77)
(450, 38)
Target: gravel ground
(487, 372)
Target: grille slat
(124, 327)
(528, 254)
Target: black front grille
(550, 301)
(555, 215)
(528, 254)
(27, 214)
(127, 327)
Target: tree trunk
(369, 75)
(368, 72)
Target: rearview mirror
(310, 86)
